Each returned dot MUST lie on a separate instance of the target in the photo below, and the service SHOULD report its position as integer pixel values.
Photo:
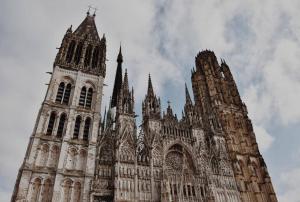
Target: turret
(151, 104)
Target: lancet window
(51, 123)
(86, 96)
(77, 127)
(61, 125)
(63, 93)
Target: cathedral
(77, 153)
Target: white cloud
(290, 183)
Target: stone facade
(210, 154)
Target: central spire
(118, 80)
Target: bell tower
(60, 159)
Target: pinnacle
(188, 99)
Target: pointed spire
(88, 28)
(118, 80)
(150, 87)
(120, 56)
(188, 99)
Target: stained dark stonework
(209, 155)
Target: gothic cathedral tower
(60, 159)
(215, 91)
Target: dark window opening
(51, 123)
(61, 125)
(67, 94)
(86, 130)
(89, 98)
(85, 99)
(60, 92)
(82, 97)
(77, 127)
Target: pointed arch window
(88, 54)
(82, 96)
(61, 125)
(63, 93)
(67, 94)
(77, 192)
(78, 53)
(89, 98)
(60, 92)
(46, 190)
(86, 96)
(70, 51)
(95, 57)
(86, 130)
(77, 127)
(67, 190)
(51, 123)
(36, 188)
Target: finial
(95, 9)
(169, 103)
(89, 8)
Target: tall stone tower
(217, 96)
(60, 159)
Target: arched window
(67, 94)
(60, 92)
(82, 96)
(70, 51)
(82, 160)
(95, 57)
(89, 98)
(63, 93)
(46, 191)
(86, 97)
(77, 192)
(36, 188)
(54, 156)
(77, 127)
(61, 125)
(86, 130)
(71, 162)
(51, 123)
(67, 191)
(78, 53)
(88, 54)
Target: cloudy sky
(259, 39)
